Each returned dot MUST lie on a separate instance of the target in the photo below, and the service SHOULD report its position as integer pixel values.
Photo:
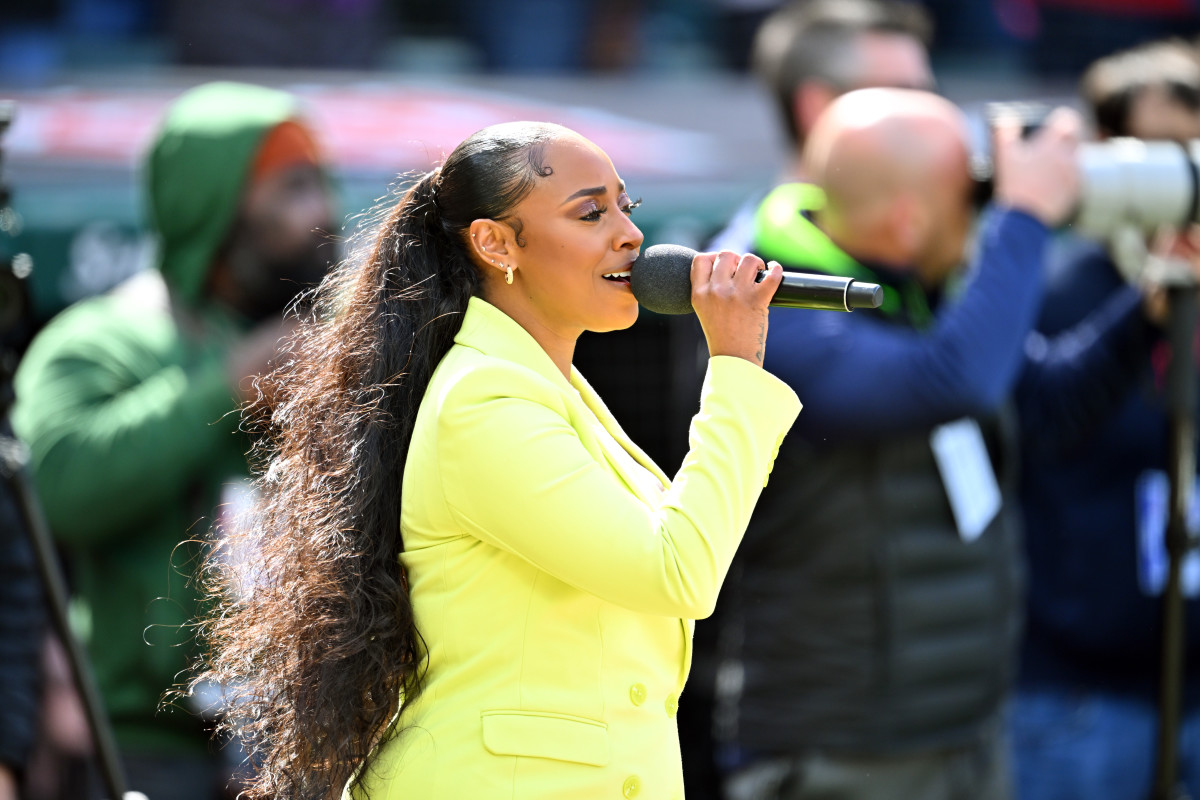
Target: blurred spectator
(811, 51)
(1094, 497)
(313, 34)
(873, 608)
(1152, 92)
(128, 401)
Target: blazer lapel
(489, 330)
(610, 424)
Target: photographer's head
(238, 198)
(1149, 92)
(893, 165)
(811, 51)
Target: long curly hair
(312, 630)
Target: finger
(747, 269)
(725, 266)
(726, 263)
(1170, 241)
(1064, 124)
(1006, 130)
(1192, 234)
(772, 279)
(702, 268)
(1165, 241)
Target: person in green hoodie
(128, 402)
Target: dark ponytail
(313, 629)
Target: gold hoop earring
(508, 275)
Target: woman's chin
(618, 321)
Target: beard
(265, 283)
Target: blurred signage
(369, 127)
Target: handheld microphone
(662, 282)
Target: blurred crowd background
(573, 37)
(664, 86)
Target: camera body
(1124, 183)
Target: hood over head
(196, 171)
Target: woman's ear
(491, 244)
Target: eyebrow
(593, 191)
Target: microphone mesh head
(662, 279)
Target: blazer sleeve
(516, 475)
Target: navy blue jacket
(1089, 620)
(861, 377)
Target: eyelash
(595, 214)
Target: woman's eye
(593, 215)
(630, 206)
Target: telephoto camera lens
(1130, 182)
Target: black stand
(15, 325)
(1181, 410)
(13, 458)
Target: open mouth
(619, 277)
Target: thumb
(1065, 123)
(1005, 131)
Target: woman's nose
(630, 237)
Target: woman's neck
(559, 346)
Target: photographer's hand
(1039, 175)
(1182, 250)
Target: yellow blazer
(554, 592)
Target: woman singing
(468, 582)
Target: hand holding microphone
(730, 299)
(661, 282)
(730, 294)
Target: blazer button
(631, 787)
(672, 705)
(637, 694)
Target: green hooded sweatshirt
(131, 422)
